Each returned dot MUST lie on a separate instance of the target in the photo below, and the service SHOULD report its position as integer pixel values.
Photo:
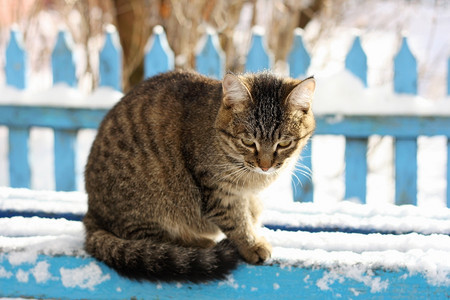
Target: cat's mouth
(261, 170)
(264, 171)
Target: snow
(349, 255)
(344, 94)
(60, 95)
(51, 202)
(86, 277)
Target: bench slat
(85, 278)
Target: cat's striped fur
(179, 160)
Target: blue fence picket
(63, 66)
(210, 61)
(405, 71)
(355, 168)
(19, 166)
(405, 81)
(302, 185)
(15, 61)
(405, 171)
(298, 59)
(448, 77)
(159, 57)
(356, 61)
(258, 58)
(15, 72)
(356, 148)
(448, 172)
(110, 62)
(65, 160)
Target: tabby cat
(180, 160)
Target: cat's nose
(264, 169)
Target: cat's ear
(235, 93)
(301, 96)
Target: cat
(178, 162)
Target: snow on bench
(44, 256)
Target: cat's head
(265, 120)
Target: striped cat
(180, 160)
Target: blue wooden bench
(72, 274)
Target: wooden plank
(85, 278)
(54, 117)
(406, 171)
(302, 184)
(356, 61)
(350, 126)
(65, 160)
(19, 166)
(355, 168)
(15, 63)
(397, 126)
(258, 58)
(405, 71)
(210, 60)
(63, 66)
(110, 61)
(159, 57)
(298, 59)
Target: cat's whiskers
(300, 168)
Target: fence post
(405, 81)
(63, 68)
(18, 137)
(356, 148)
(210, 60)
(159, 57)
(110, 62)
(299, 59)
(258, 59)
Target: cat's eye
(248, 142)
(284, 144)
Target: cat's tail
(145, 259)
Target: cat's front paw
(256, 253)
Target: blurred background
(329, 25)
